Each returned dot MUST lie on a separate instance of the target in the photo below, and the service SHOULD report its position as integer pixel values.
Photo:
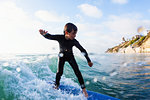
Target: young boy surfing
(66, 42)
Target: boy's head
(70, 31)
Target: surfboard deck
(76, 91)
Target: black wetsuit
(66, 54)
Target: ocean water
(26, 77)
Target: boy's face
(71, 35)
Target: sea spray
(122, 76)
(27, 77)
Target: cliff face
(138, 44)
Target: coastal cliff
(138, 44)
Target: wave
(26, 77)
(122, 76)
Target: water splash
(24, 80)
(95, 79)
(18, 69)
(61, 55)
(5, 64)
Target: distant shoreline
(138, 44)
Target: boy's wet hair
(69, 27)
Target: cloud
(89, 29)
(121, 25)
(109, 33)
(93, 37)
(120, 1)
(126, 25)
(19, 31)
(14, 18)
(90, 10)
(50, 16)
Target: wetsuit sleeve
(52, 37)
(77, 44)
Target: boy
(66, 42)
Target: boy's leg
(59, 73)
(75, 67)
(77, 72)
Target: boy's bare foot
(85, 93)
(55, 87)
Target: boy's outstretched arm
(49, 36)
(77, 44)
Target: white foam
(103, 78)
(5, 64)
(18, 69)
(124, 64)
(30, 82)
(6, 72)
(87, 82)
(95, 79)
(26, 61)
(61, 55)
(114, 73)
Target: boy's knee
(59, 73)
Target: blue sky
(101, 23)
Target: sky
(101, 23)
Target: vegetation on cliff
(138, 44)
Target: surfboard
(91, 95)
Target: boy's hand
(90, 64)
(42, 32)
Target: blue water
(123, 76)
